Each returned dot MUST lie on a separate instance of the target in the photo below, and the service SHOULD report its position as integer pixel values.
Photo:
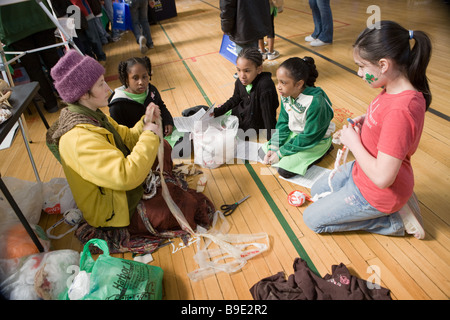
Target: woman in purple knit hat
(106, 164)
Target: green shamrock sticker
(370, 78)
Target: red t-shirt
(393, 125)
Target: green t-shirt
(140, 97)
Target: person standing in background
(108, 6)
(276, 6)
(25, 26)
(245, 21)
(141, 27)
(91, 30)
(323, 23)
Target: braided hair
(301, 69)
(251, 54)
(125, 66)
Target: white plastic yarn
(229, 245)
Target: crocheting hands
(350, 136)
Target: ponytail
(302, 69)
(393, 41)
(123, 74)
(418, 62)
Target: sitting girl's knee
(311, 221)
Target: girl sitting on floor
(302, 135)
(255, 100)
(128, 103)
(375, 192)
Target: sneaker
(273, 55)
(150, 46)
(412, 220)
(309, 39)
(142, 44)
(318, 43)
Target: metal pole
(58, 25)
(24, 135)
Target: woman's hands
(152, 113)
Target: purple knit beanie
(75, 74)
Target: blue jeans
(323, 20)
(346, 209)
(94, 39)
(108, 6)
(139, 17)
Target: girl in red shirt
(375, 192)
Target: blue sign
(228, 49)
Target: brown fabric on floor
(306, 285)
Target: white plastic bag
(215, 141)
(58, 197)
(39, 276)
(28, 196)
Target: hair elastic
(411, 34)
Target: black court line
(431, 110)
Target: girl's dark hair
(302, 69)
(124, 67)
(393, 41)
(251, 54)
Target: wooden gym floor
(188, 70)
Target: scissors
(229, 208)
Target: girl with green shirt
(128, 103)
(302, 134)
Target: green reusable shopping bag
(119, 279)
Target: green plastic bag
(119, 279)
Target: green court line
(278, 214)
(286, 227)
(186, 66)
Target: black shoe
(192, 110)
(52, 109)
(286, 174)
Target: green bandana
(140, 97)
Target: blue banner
(228, 49)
